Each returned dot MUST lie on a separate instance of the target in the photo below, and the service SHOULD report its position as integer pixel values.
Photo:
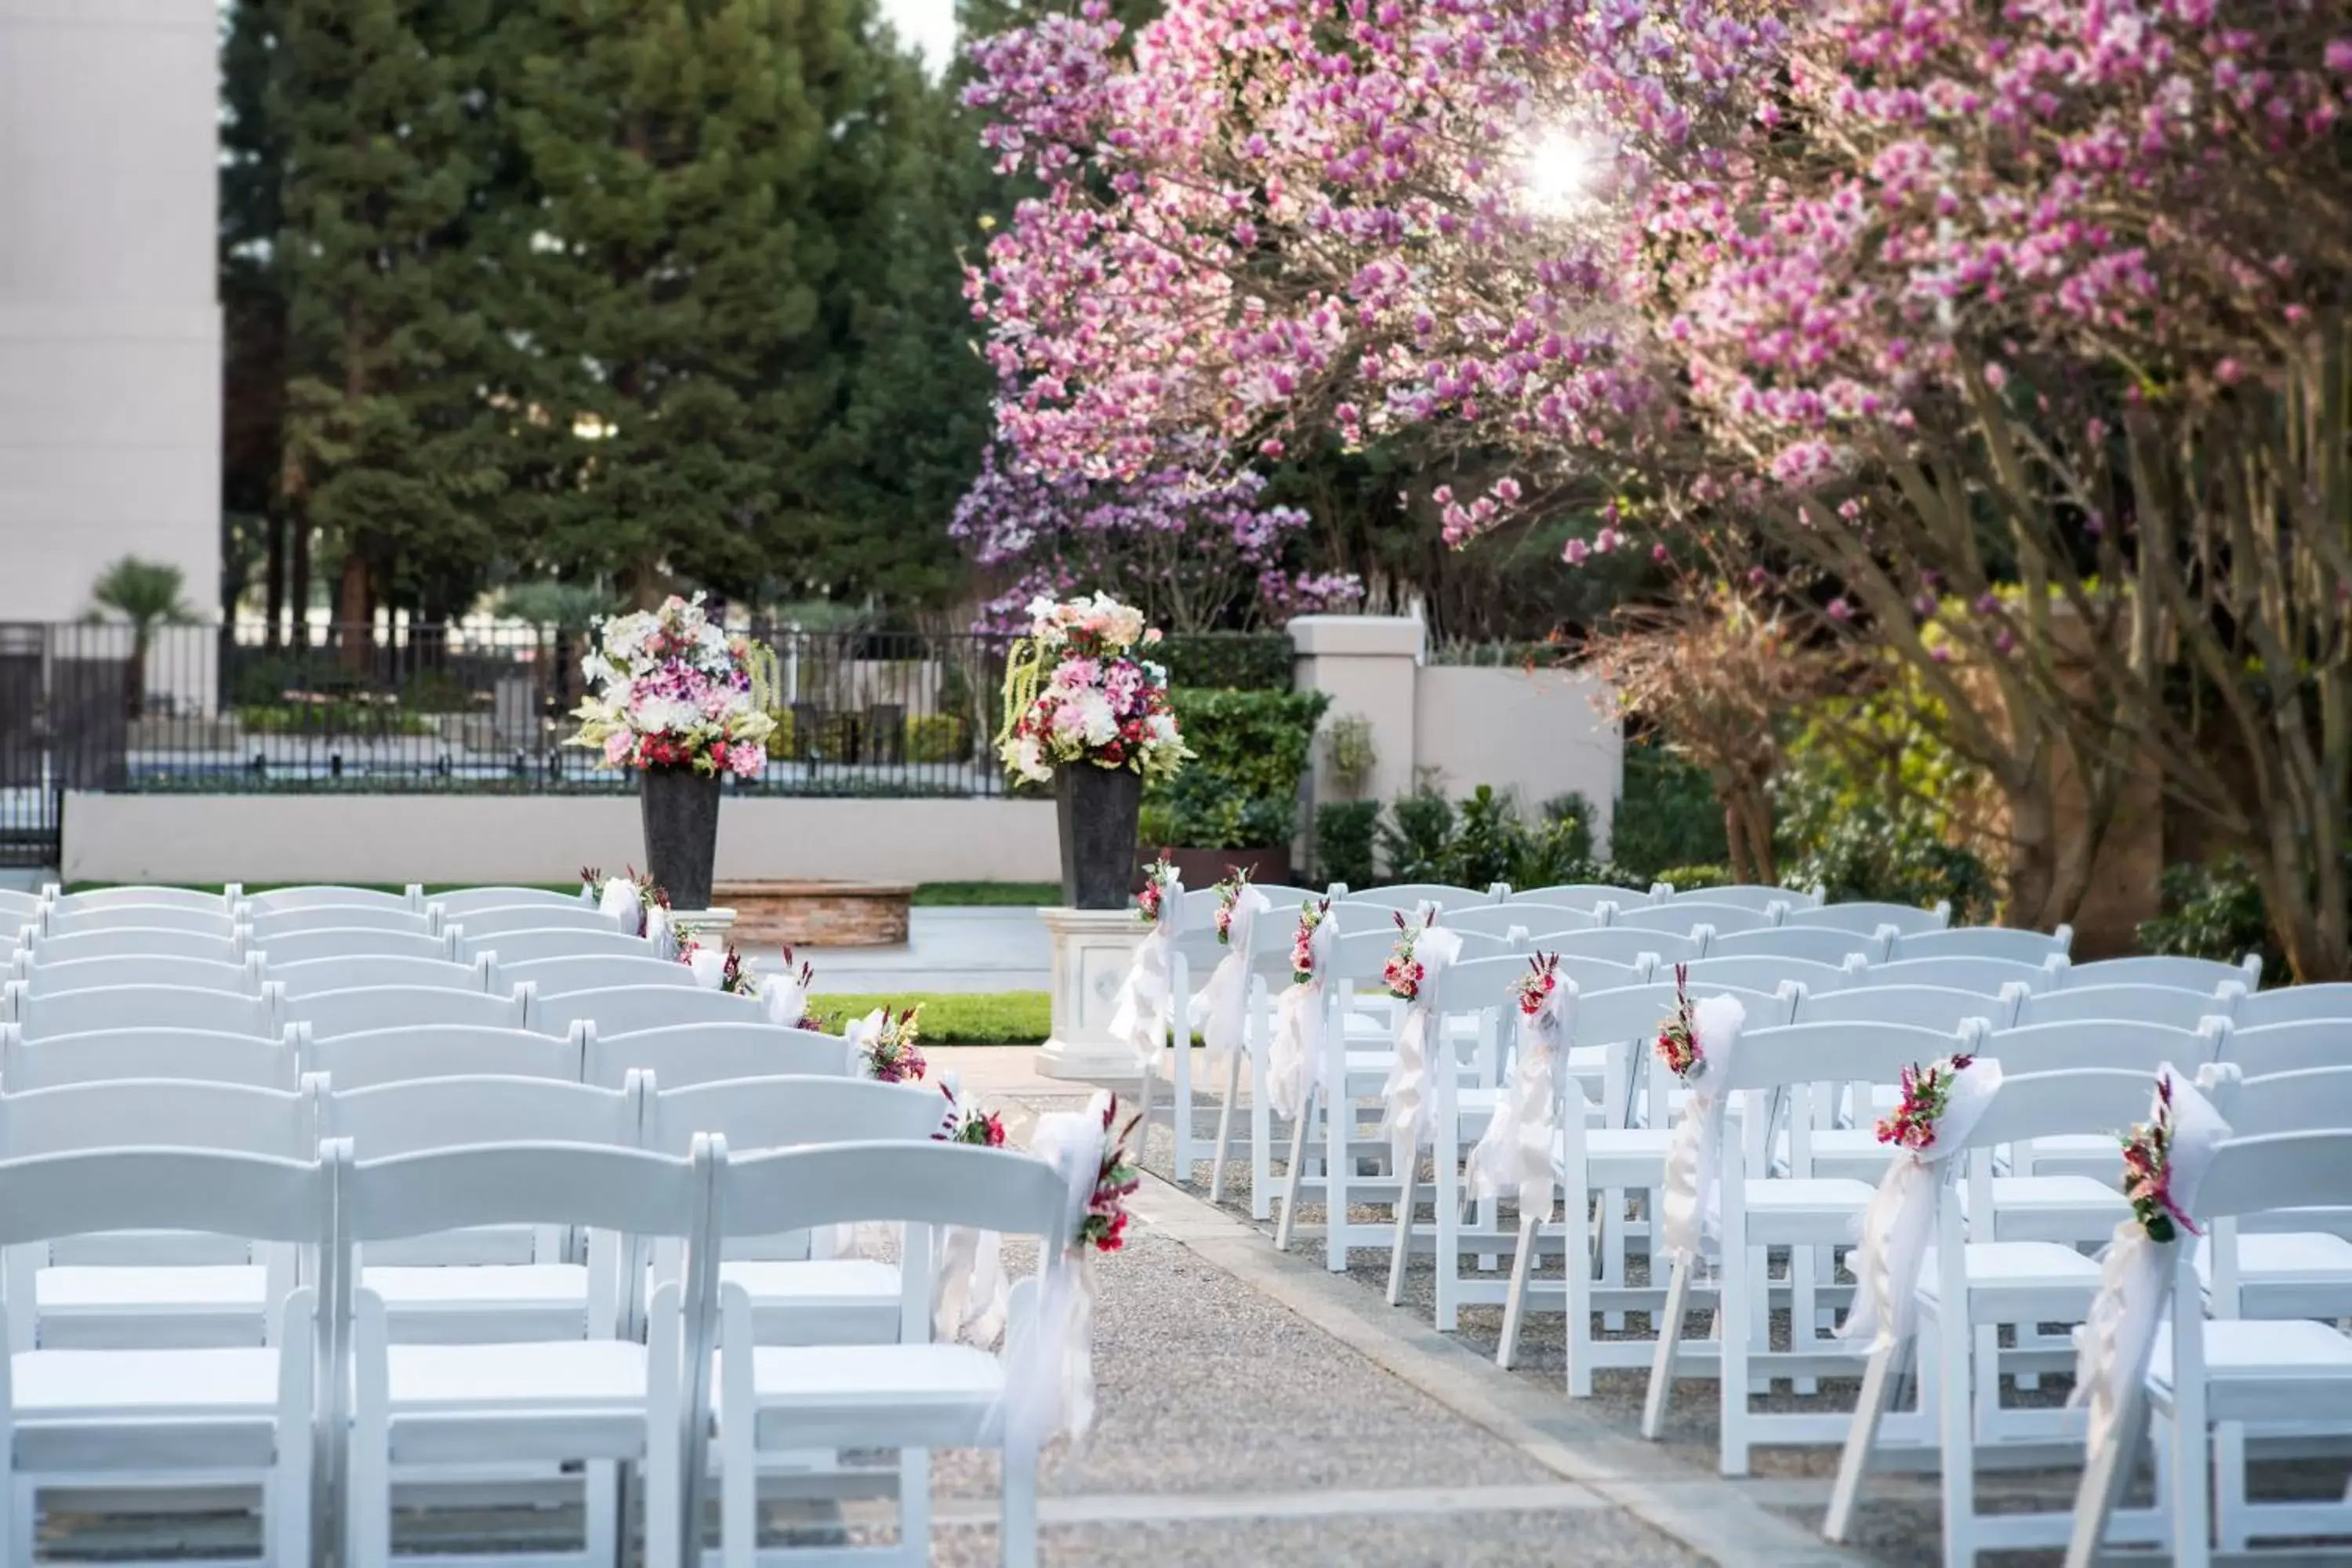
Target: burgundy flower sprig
(2148, 1172)
(970, 1124)
(1155, 892)
(733, 978)
(1302, 946)
(892, 1053)
(1534, 988)
(1679, 1045)
(651, 895)
(1403, 972)
(1927, 1090)
(1229, 894)
(1105, 1226)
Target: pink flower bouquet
(671, 690)
(1075, 691)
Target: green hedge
(1344, 833)
(1240, 791)
(338, 718)
(1240, 661)
(1667, 815)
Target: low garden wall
(453, 838)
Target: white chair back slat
(926, 1183)
(2034, 1103)
(327, 1013)
(458, 902)
(759, 1113)
(1938, 1008)
(2182, 974)
(556, 977)
(268, 924)
(406, 1117)
(319, 895)
(562, 941)
(162, 1113)
(2297, 1100)
(1869, 917)
(1410, 895)
(1988, 975)
(1820, 944)
(623, 1190)
(1622, 944)
(1477, 983)
(2302, 1170)
(1684, 915)
(553, 915)
(621, 1009)
(2295, 1003)
(43, 978)
(2108, 1045)
(1772, 1056)
(315, 976)
(2298, 1047)
(1501, 919)
(1633, 1013)
(105, 1055)
(250, 1196)
(135, 1006)
(137, 941)
(343, 942)
(1983, 941)
(2166, 1005)
(1745, 895)
(404, 1054)
(1585, 896)
(201, 898)
(1757, 972)
(17, 907)
(686, 1055)
(213, 920)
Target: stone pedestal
(1092, 949)
(715, 925)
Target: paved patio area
(985, 949)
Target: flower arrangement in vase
(1077, 691)
(670, 688)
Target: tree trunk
(275, 579)
(298, 582)
(355, 611)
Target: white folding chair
(135, 1006)
(2167, 1005)
(2298, 1047)
(2017, 946)
(2199, 1373)
(1683, 915)
(438, 1050)
(151, 1290)
(1817, 944)
(621, 1009)
(683, 1054)
(198, 1056)
(269, 925)
(326, 1014)
(318, 976)
(1586, 895)
(1502, 920)
(1747, 895)
(1966, 973)
(321, 894)
(164, 1417)
(915, 1395)
(479, 924)
(1351, 1063)
(2208, 974)
(1756, 971)
(42, 978)
(214, 918)
(557, 977)
(20, 908)
(797, 1300)
(1869, 917)
(562, 941)
(1970, 1286)
(457, 903)
(1410, 895)
(601, 1400)
(2296, 1003)
(342, 941)
(1623, 944)
(201, 898)
(137, 941)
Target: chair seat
(2012, 1282)
(827, 1301)
(2284, 1370)
(1820, 1210)
(129, 1290)
(2288, 1274)
(546, 1375)
(2062, 1209)
(469, 1302)
(1618, 1156)
(1849, 1154)
(70, 1385)
(943, 1396)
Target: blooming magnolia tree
(2015, 334)
(1194, 553)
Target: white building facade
(109, 320)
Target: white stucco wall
(1538, 734)
(539, 838)
(109, 331)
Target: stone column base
(1092, 951)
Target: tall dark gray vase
(681, 816)
(1097, 808)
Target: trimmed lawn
(985, 895)
(952, 1017)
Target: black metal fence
(460, 707)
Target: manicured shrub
(1345, 833)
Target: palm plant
(148, 595)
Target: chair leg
(915, 1506)
(1956, 1435)
(1019, 1526)
(1613, 1245)
(23, 1516)
(1400, 1248)
(1180, 1097)
(1338, 1170)
(2104, 1477)
(1662, 1361)
(1737, 1314)
(1260, 1146)
(1226, 1129)
(601, 1484)
(2190, 1503)
(1448, 1182)
(1878, 1382)
(1515, 1298)
(1575, 1261)
(1143, 1102)
(1804, 1303)
(1292, 1177)
(2234, 1526)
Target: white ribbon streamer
(1688, 1209)
(1296, 1051)
(971, 1292)
(1050, 1387)
(661, 932)
(2112, 1352)
(1514, 1155)
(1220, 1008)
(621, 904)
(1139, 1010)
(785, 999)
(1901, 1218)
(588, 892)
(1407, 1089)
(709, 967)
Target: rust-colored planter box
(1207, 867)
(816, 914)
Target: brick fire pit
(816, 914)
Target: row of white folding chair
(432, 1403)
(265, 925)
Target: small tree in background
(147, 594)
